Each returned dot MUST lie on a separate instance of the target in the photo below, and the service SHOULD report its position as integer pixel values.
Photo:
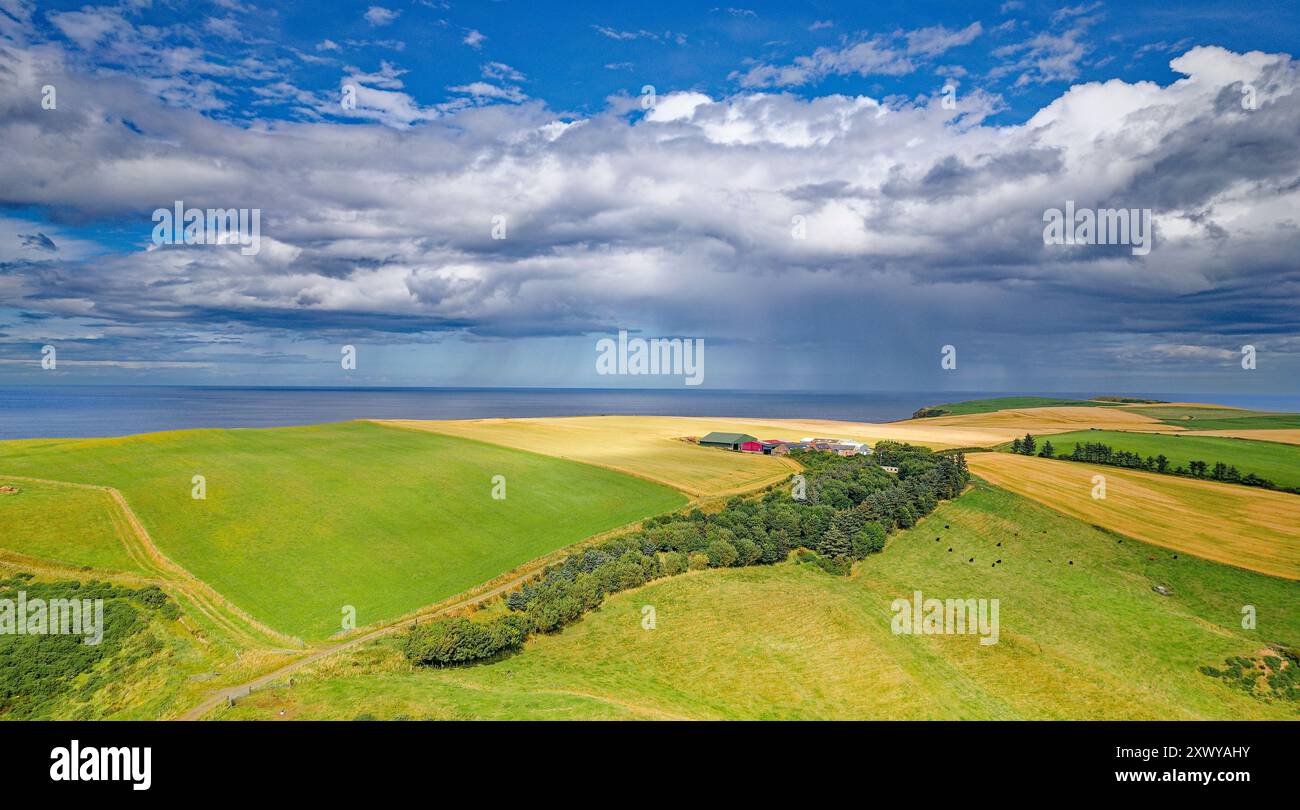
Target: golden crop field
(927, 432)
(1283, 435)
(1242, 526)
(1019, 421)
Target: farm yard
(745, 443)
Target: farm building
(751, 447)
(842, 447)
(731, 441)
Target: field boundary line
(171, 571)
(244, 689)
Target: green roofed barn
(731, 441)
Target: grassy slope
(299, 522)
(1089, 640)
(1193, 417)
(1005, 403)
(65, 524)
(1245, 526)
(1279, 463)
(64, 533)
(156, 673)
(143, 682)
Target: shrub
(747, 552)
(587, 591)
(835, 544)
(698, 561)
(721, 554)
(674, 562)
(839, 566)
(552, 614)
(448, 641)
(870, 539)
(509, 632)
(774, 548)
(518, 600)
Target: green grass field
(1197, 418)
(1088, 640)
(1011, 403)
(1280, 463)
(70, 525)
(300, 522)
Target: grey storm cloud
(623, 218)
(951, 176)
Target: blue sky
(666, 213)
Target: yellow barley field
(1249, 528)
(1054, 420)
(1283, 435)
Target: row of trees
(846, 509)
(1099, 453)
(1029, 444)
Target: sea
(74, 411)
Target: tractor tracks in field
(167, 573)
(231, 693)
